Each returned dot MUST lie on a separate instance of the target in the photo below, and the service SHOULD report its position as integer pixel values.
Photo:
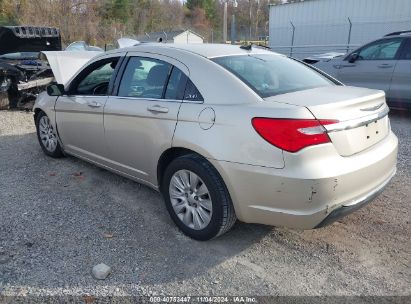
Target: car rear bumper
(346, 209)
(319, 189)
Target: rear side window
(406, 54)
(270, 75)
(191, 92)
(145, 78)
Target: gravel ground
(59, 218)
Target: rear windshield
(270, 75)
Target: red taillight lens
(292, 135)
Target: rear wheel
(197, 198)
(47, 136)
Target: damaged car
(223, 132)
(22, 74)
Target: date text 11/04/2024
(205, 299)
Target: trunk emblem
(373, 108)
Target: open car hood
(66, 64)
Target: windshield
(20, 56)
(270, 75)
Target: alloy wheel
(47, 134)
(190, 199)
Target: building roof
(283, 2)
(163, 36)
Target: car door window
(95, 80)
(144, 78)
(406, 54)
(176, 85)
(381, 50)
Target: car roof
(204, 50)
(398, 34)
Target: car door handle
(385, 66)
(94, 104)
(157, 109)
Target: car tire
(47, 136)
(200, 177)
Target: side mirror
(353, 58)
(55, 89)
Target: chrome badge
(372, 108)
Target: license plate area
(352, 141)
(376, 130)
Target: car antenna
(246, 47)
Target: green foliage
(7, 16)
(104, 21)
(117, 10)
(209, 7)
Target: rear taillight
(292, 135)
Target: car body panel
(315, 182)
(46, 103)
(66, 64)
(81, 125)
(130, 118)
(346, 104)
(244, 146)
(393, 76)
(400, 90)
(267, 185)
(372, 74)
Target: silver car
(224, 133)
(384, 64)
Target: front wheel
(197, 198)
(47, 136)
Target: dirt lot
(59, 218)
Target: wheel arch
(172, 153)
(36, 112)
(167, 157)
(45, 103)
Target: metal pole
(233, 27)
(292, 40)
(349, 35)
(225, 23)
(233, 33)
(250, 20)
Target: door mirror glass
(55, 89)
(353, 58)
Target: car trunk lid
(362, 114)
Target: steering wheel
(101, 89)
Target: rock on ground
(101, 271)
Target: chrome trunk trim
(355, 123)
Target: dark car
(383, 64)
(22, 74)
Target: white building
(180, 36)
(330, 25)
